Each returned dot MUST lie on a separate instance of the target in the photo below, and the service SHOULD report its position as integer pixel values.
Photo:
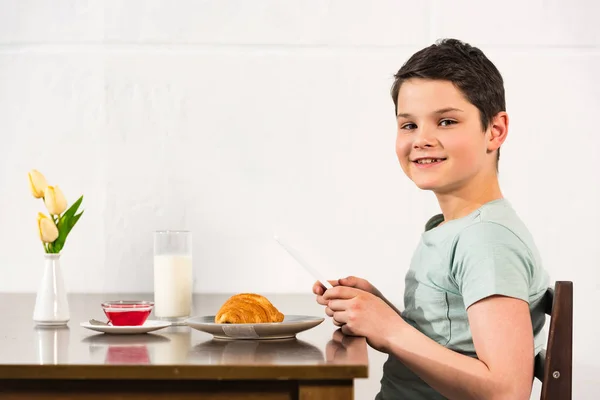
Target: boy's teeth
(427, 160)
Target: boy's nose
(424, 138)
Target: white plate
(148, 326)
(291, 325)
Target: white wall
(230, 118)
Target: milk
(172, 286)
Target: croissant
(247, 308)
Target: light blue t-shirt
(488, 252)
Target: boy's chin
(437, 189)
(432, 186)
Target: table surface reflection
(180, 352)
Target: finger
(346, 330)
(329, 312)
(338, 305)
(340, 316)
(341, 292)
(318, 289)
(321, 301)
(359, 283)
(351, 281)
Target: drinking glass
(173, 276)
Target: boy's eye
(447, 122)
(408, 126)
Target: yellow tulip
(37, 183)
(55, 200)
(48, 231)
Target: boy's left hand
(362, 314)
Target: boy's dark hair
(466, 67)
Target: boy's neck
(460, 203)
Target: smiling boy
(473, 316)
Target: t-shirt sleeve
(489, 259)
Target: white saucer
(149, 326)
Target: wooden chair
(553, 366)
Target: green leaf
(74, 220)
(57, 246)
(66, 222)
(69, 213)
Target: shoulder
(489, 233)
(490, 259)
(491, 248)
(497, 223)
(495, 245)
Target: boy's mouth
(428, 161)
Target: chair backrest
(553, 367)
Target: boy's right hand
(350, 281)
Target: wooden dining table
(176, 362)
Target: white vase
(51, 305)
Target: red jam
(127, 314)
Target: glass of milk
(173, 278)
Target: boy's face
(440, 143)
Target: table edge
(183, 372)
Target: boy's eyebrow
(436, 112)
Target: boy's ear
(498, 131)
